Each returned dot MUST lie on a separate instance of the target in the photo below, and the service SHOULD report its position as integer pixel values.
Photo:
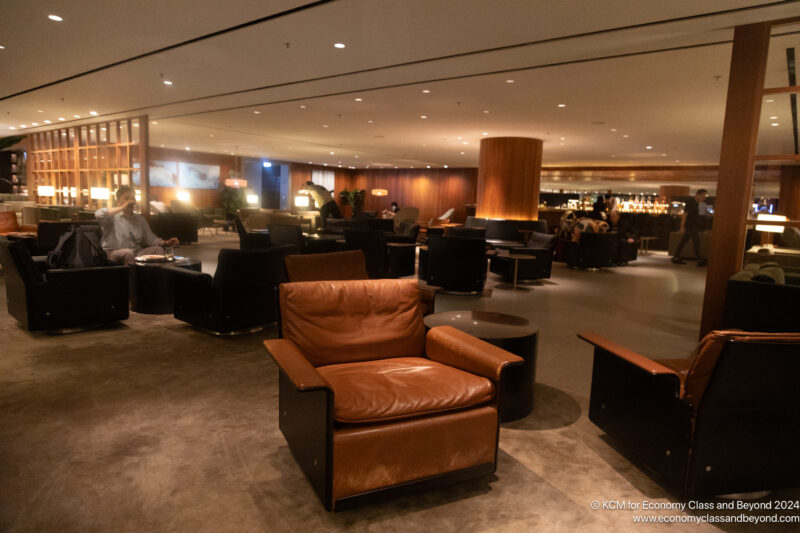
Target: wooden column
(509, 171)
(736, 166)
(789, 197)
(144, 164)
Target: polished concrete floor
(154, 426)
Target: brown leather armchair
(726, 420)
(369, 403)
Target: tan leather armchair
(369, 403)
(724, 420)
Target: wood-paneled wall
(200, 197)
(509, 170)
(432, 191)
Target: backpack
(78, 248)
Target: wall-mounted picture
(164, 174)
(193, 176)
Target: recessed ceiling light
(369, 122)
(187, 148)
(40, 111)
(613, 129)
(562, 138)
(324, 125)
(93, 113)
(61, 118)
(509, 81)
(465, 142)
(76, 116)
(211, 135)
(356, 157)
(774, 117)
(462, 153)
(358, 99)
(167, 82)
(423, 116)
(338, 45)
(162, 146)
(427, 166)
(302, 106)
(154, 122)
(135, 124)
(775, 124)
(23, 126)
(445, 166)
(562, 105)
(769, 100)
(648, 147)
(48, 121)
(12, 128)
(55, 18)
(426, 91)
(626, 136)
(486, 111)
(2, 47)
(332, 153)
(459, 137)
(256, 112)
(34, 123)
(485, 133)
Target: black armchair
(541, 246)
(280, 234)
(240, 298)
(181, 225)
(251, 240)
(726, 420)
(61, 298)
(593, 250)
(454, 263)
(384, 260)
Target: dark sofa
(540, 245)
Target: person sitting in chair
(126, 234)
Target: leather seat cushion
(399, 388)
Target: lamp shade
(236, 183)
(380, 192)
(184, 196)
(301, 200)
(770, 228)
(99, 193)
(252, 199)
(46, 190)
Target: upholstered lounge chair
(384, 260)
(368, 402)
(726, 420)
(241, 297)
(251, 240)
(454, 263)
(61, 298)
(540, 246)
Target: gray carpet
(154, 426)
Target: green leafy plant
(232, 200)
(354, 198)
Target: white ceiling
(630, 73)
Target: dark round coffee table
(514, 333)
(151, 290)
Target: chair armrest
(187, 275)
(289, 358)
(66, 273)
(630, 356)
(453, 347)
(29, 228)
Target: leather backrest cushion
(345, 321)
(349, 264)
(250, 268)
(708, 353)
(8, 222)
(541, 240)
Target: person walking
(691, 224)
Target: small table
(644, 244)
(514, 333)
(151, 290)
(517, 258)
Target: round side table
(514, 333)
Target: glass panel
(777, 126)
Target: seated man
(126, 234)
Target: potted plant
(232, 200)
(354, 198)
